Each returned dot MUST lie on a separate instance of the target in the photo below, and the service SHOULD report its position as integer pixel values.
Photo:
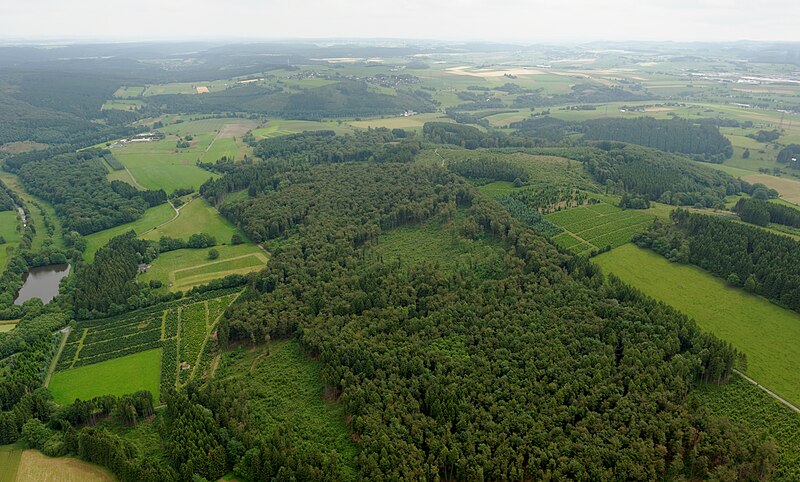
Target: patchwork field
(195, 217)
(184, 269)
(118, 376)
(765, 332)
(37, 467)
(283, 389)
(139, 350)
(595, 226)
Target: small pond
(42, 282)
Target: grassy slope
(12, 181)
(8, 231)
(159, 165)
(284, 388)
(192, 267)
(151, 218)
(765, 332)
(140, 371)
(197, 216)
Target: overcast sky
(515, 20)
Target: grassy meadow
(118, 376)
(184, 269)
(9, 225)
(153, 217)
(34, 466)
(196, 216)
(765, 332)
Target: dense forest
(76, 185)
(341, 99)
(703, 142)
(660, 176)
(746, 256)
(401, 343)
(762, 213)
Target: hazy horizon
(448, 20)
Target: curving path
(65, 331)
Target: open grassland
(595, 226)
(765, 332)
(789, 189)
(11, 233)
(117, 376)
(161, 165)
(195, 217)
(153, 217)
(37, 467)
(184, 269)
(284, 389)
(746, 404)
(10, 456)
(129, 91)
(187, 87)
(122, 104)
(39, 208)
(414, 122)
(280, 127)
(7, 325)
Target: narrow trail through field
(177, 213)
(436, 151)
(768, 391)
(65, 334)
(135, 182)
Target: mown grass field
(160, 165)
(9, 225)
(765, 332)
(746, 404)
(118, 376)
(7, 325)
(195, 217)
(280, 127)
(284, 388)
(414, 122)
(187, 268)
(595, 226)
(34, 466)
(152, 217)
(10, 456)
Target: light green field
(766, 333)
(117, 104)
(414, 122)
(195, 217)
(187, 268)
(285, 389)
(34, 466)
(8, 230)
(152, 217)
(186, 87)
(7, 325)
(10, 456)
(280, 127)
(127, 92)
(118, 376)
(160, 165)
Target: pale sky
(500, 20)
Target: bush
(155, 284)
(236, 239)
(201, 240)
(213, 253)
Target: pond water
(42, 282)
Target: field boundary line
(258, 256)
(623, 228)
(135, 182)
(65, 334)
(767, 390)
(177, 213)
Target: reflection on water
(42, 282)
